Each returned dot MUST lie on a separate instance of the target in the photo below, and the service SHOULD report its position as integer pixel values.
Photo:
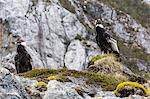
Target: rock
(142, 66)
(126, 89)
(146, 1)
(137, 79)
(90, 90)
(106, 95)
(91, 49)
(50, 33)
(137, 97)
(8, 62)
(10, 86)
(34, 91)
(49, 28)
(75, 56)
(58, 90)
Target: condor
(106, 43)
(22, 59)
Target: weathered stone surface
(58, 90)
(10, 87)
(48, 28)
(75, 56)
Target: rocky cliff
(61, 33)
(57, 32)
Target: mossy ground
(107, 82)
(106, 64)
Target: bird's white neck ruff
(23, 43)
(99, 25)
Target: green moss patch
(98, 57)
(39, 73)
(107, 82)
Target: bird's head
(99, 27)
(20, 41)
(20, 46)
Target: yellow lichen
(133, 84)
(52, 78)
(40, 84)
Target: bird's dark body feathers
(105, 41)
(22, 60)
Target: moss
(133, 84)
(107, 82)
(98, 57)
(39, 73)
(41, 83)
(106, 65)
(67, 5)
(52, 78)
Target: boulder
(75, 56)
(10, 87)
(58, 90)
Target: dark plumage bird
(106, 43)
(22, 59)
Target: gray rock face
(10, 87)
(146, 1)
(45, 29)
(48, 28)
(122, 24)
(58, 90)
(75, 56)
